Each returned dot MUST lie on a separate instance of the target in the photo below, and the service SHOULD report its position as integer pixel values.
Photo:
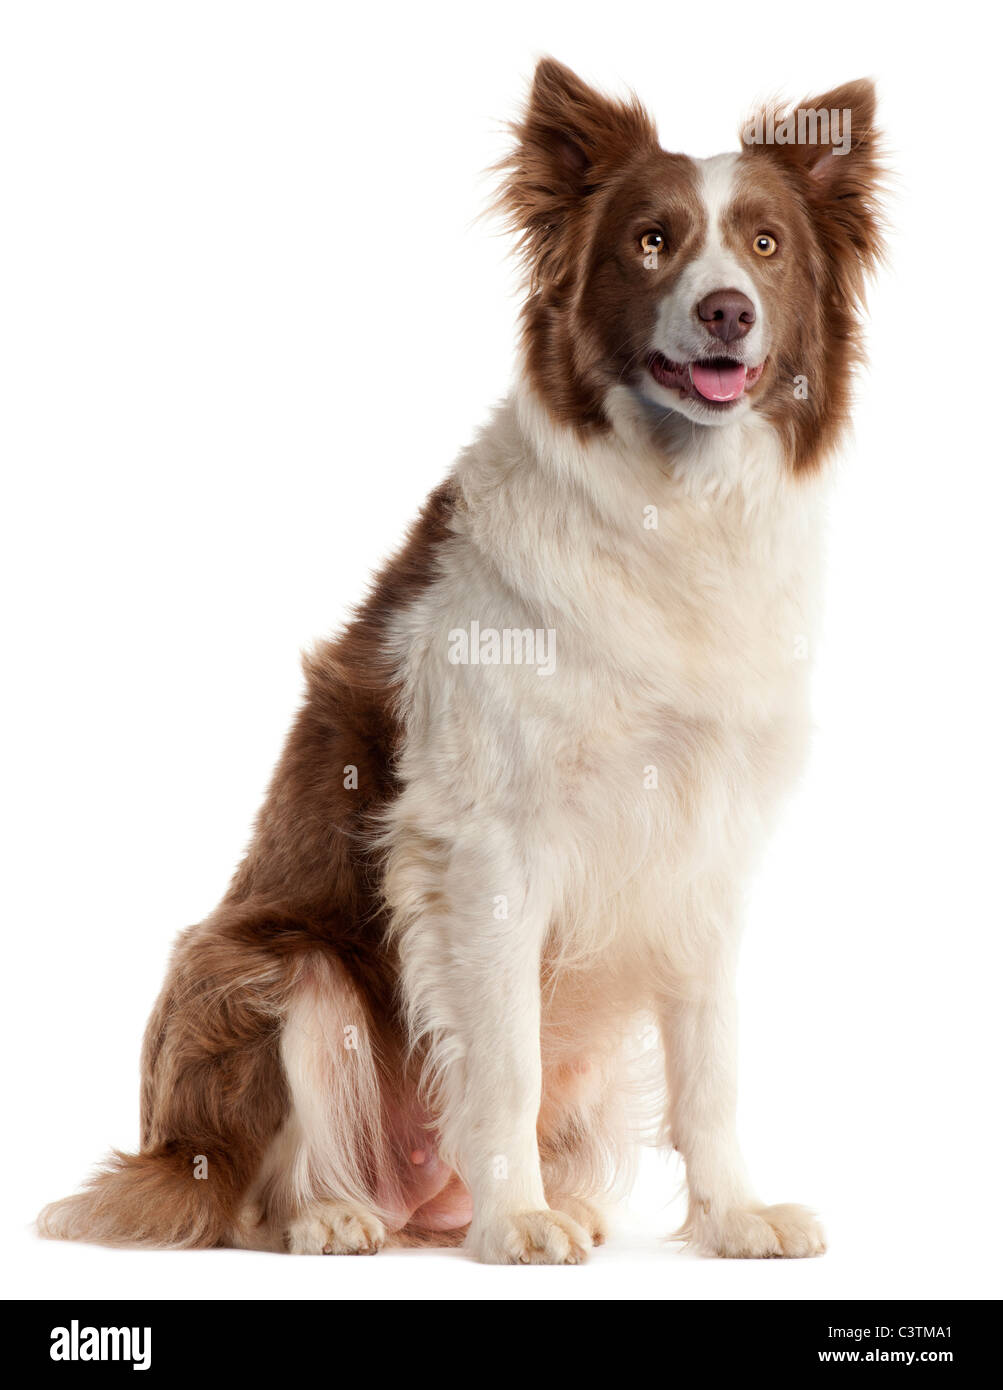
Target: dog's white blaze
(717, 267)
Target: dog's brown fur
(829, 205)
(212, 1080)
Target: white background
(248, 317)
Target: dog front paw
(335, 1228)
(757, 1233)
(530, 1238)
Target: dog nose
(728, 314)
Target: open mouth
(718, 381)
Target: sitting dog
(498, 872)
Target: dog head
(708, 288)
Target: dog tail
(153, 1199)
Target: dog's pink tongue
(718, 383)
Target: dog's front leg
(472, 977)
(494, 1125)
(699, 1030)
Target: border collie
(484, 937)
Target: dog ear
(831, 145)
(570, 141)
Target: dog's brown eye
(652, 241)
(764, 244)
